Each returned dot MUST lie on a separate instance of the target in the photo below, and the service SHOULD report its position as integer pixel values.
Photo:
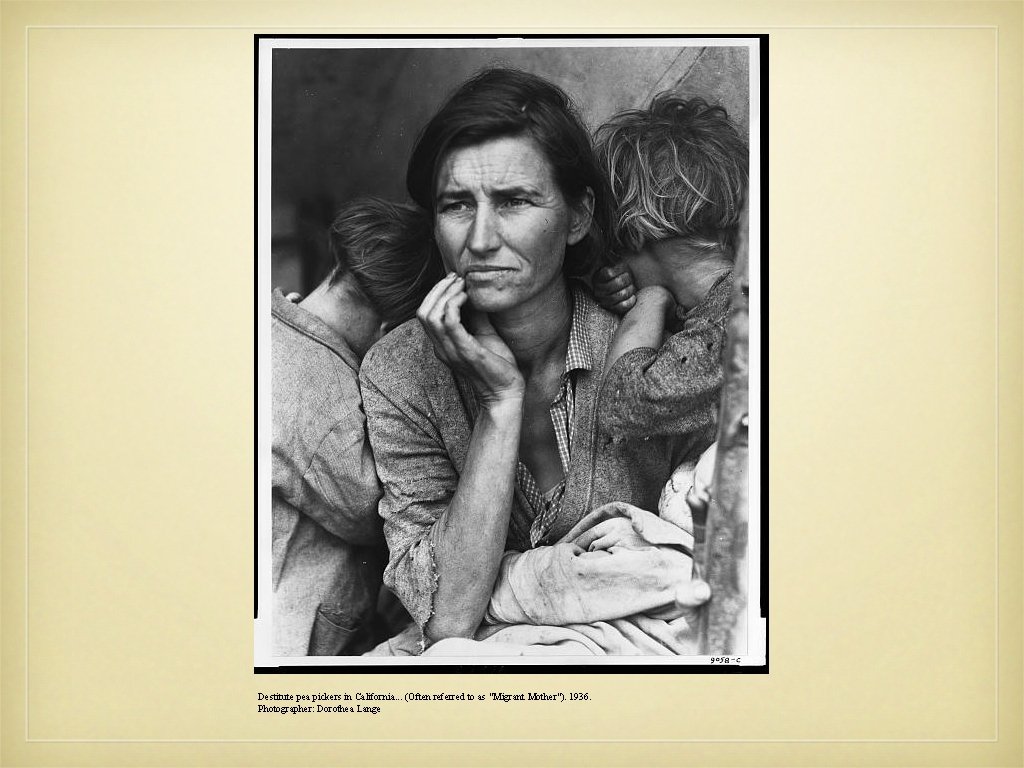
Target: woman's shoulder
(399, 348)
(402, 359)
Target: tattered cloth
(606, 588)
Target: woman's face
(502, 223)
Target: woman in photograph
(482, 414)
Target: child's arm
(671, 388)
(644, 325)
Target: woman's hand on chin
(481, 356)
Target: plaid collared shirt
(545, 507)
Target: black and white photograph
(509, 329)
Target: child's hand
(614, 288)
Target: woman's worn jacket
(420, 419)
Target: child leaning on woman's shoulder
(678, 170)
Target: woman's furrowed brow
(451, 193)
(515, 190)
(455, 192)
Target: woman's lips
(488, 273)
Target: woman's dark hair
(498, 103)
(676, 169)
(386, 248)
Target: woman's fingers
(452, 316)
(429, 303)
(463, 349)
(432, 294)
(603, 543)
(488, 361)
(607, 533)
(466, 348)
(432, 311)
(485, 359)
(619, 539)
(591, 535)
(451, 290)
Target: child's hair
(386, 248)
(677, 169)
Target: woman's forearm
(469, 537)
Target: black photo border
(605, 668)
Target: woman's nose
(483, 237)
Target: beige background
(894, 309)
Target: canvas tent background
(344, 120)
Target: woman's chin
(489, 299)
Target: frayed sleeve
(418, 481)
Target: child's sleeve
(673, 390)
